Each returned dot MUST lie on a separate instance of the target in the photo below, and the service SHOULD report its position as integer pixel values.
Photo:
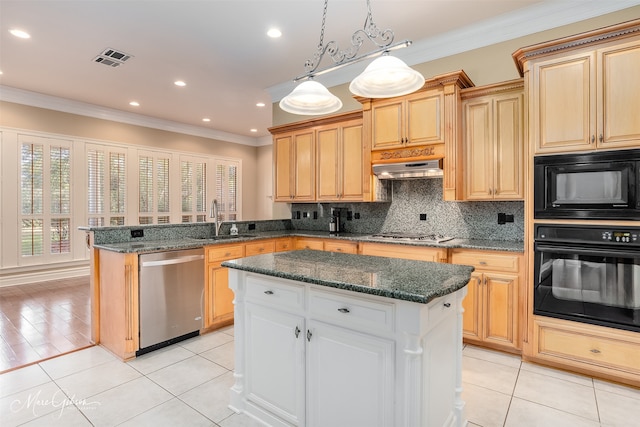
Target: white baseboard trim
(43, 275)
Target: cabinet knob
(594, 350)
(268, 292)
(261, 250)
(309, 335)
(447, 304)
(227, 254)
(601, 138)
(343, 310)
(297, 331)
(483, 263)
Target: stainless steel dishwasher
(171, 297)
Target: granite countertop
(415, 281)
(141, 246)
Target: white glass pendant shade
(310, 98)
(386, 77)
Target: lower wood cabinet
(611, 353)
(492, 307)
(218, 297)
(420, 253)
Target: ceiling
(221, 50)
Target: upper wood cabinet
(493, 142)
(415, 119)
(294, 155)
(586, 95)
(340, 162)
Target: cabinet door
(351, 163)
(274, 364)
(564, 99)
(283, 147)
(619, 96)
(328, 151)
(500, 320)
(304, 166)
(472, 305)
(387, 121)
(349, 378)
(425, 118)
(479, 149)
(222, 296)
(509, 147)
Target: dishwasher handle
(179, 260)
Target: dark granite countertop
(415, 281)
(141, 246)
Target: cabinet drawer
(440, 308)
(344, 247)
(257, 248)
(405, 251)
(222, 253)
(581, 346)
(315, 244)
(351, 312)
(486, 260)
(275, 293)
(283, 245)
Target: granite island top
(415, 281)
(140, 246)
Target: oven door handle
(573, 250)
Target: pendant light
(385, 77)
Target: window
(153, 188)
(45, 198)
(106, 176)
(227, 184)
(193, 178)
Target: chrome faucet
(213, 213)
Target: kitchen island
(334, 339)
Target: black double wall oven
(588, 273)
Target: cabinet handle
(593, 139)
(594, 350)
(309, 334)
(227, 254)
(483, 263)
(601, 138)
(268, 292)
(297, 331)
(447, 304)
(343, 310)
(261, 250)
(479, 281)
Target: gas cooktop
(436, 238)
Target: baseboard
(43, 275)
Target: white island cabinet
(319, 356)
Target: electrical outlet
(252, 226)
(509, 218)
(315, 214)
(349, 215)
(356, 215)
(297, 214)
(138, 232)
(305, 214)
(502, 218)
(423, 217)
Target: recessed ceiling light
(253, 130)
(19, 33)
(206, 119)
(0, 72)
(179, 83)
(260, 104)
(134, 103)
(274, 33)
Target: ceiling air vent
(112, 58)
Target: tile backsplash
(411, 198)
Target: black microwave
(596, 185)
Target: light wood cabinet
(340, 162)
(341, 246)
(492, 307)
(415, 119)
(284, 244)
(390, 250)
(309, 243)
(493, 143)
(586, 95)
(217, 295)
(118, 318)
(294, 155)
(260, 247)
(611, 353)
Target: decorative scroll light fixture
(385, 77)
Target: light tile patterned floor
(188, 384)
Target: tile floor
(188, 384)
(42, 320)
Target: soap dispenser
(234, 229)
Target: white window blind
(193, 174)
(45, 198)
(153, 188)
(106, 180)
(227, 184)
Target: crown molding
(35, 99)
(536, 18)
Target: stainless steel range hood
(409, 170)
